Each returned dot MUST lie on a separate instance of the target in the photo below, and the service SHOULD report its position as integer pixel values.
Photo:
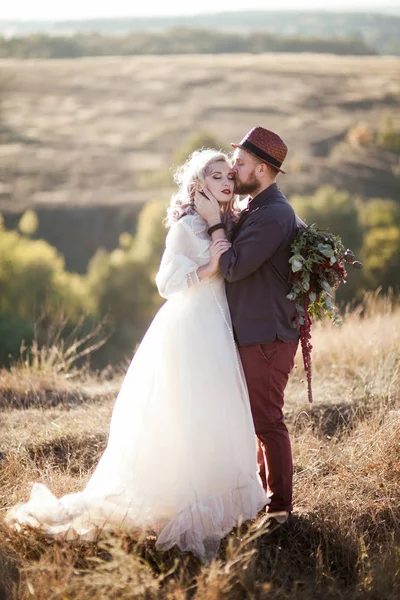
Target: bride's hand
(217, 248)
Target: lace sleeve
(186, 250)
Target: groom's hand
(207, 207)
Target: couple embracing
(210, 373)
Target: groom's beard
(249, 187)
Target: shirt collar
(263, 197)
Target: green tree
(380, 252)
(377, 212)
(28, 223)
(335, 210)
(125, 294)
(381, 257)
(33, 283)
(180, 40)
(388, 136)
(122, 281)
(32, 276)
(339, 212)
(148, 245)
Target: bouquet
(318, 267)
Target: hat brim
(247, 150)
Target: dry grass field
(81, 132)
(344, 538)
(86, 142)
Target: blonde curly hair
(186, 176)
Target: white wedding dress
(181, 455)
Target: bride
(181, 455)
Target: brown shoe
(281, 516)
(272, 521)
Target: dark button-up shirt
(256, 269)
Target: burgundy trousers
(267, 368)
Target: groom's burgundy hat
(266, 145)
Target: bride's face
(220, 181)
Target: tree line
(119, 285)
(179, 40)
(380, 31)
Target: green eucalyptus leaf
(296, 257)
(328, 252)
(296, 266)
(325, 285)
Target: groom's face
(244, 167)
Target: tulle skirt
(181, 454)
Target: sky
(83, 9)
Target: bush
(32, 275)
(335, 210)
(122, 281)
(33, 282)
(380, 252)
(380, 213)
(339, 212)
(388, 136)
(371, 228)
(381, 257)
(385, 136)
(119, 285)
(124, 294)
(28, 223)
(148, 245)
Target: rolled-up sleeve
(254, 245)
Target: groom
(256, 270)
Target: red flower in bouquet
(318, 267)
